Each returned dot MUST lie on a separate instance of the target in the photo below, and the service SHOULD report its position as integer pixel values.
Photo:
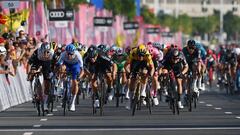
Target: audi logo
(56, 14)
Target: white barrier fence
(16, 92)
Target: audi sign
(61, 15)
(153, 30)
(103, 21)
(130, 25)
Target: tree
(121, 7)
(184, 24)
(231, 25)
(148, 16)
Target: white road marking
(36, 126)
(28, 133)
(55, 110)
(218, 108)
(119, 129)
(50, 114)
(228, 112)
(201, 102)
(209, 105)
(43, 120)
(238, 117)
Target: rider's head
(70, 49)
(92, 53)
(141, 50)
(191, 45)
(102, 48)
(175, 55)
(45, 48)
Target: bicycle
(136, 101)
(172, 93)
(192, 97)
(119, 93)
(229, 85)
(66, 94)
(83, 90)
(38, 94)
(51, 96)
(101, 94)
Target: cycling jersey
(176, 67)
(120, 61)
(73, 65)
(102, 64)
(190, 58)
(203, 52)
(134, 57)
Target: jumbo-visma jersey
(134, 56)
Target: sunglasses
(191, 48)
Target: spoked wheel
(134, 105)
(38, 107)
(42, 108)
(149, 103)
(189, 103)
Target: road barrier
(15, 90)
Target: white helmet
(3, 50)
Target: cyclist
(176, 62)
(119, 57)
(193, 58)
(74, 64)
(43, 57)
(140, 60)
(157, 56)
(96, 63)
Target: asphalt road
(216, 113)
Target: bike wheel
(64, 104)
(42, 108)
(38, 107)
(172, 104)
(149, 103)
(102, 98)
(134, 105)
(176, 106)
(190, 102)
(94, 110)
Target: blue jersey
(203, 52)
(73, 65)
(77, 59)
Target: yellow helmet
(141, 50)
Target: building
(193, 8)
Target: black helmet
(92, 51)
(102, 47)
(191, 43)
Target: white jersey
(77, 58)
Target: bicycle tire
(102, 98)
(136, 99)
(177, 107)
(38, 108)
(190, 103)
(148, 98)
(117, 91)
